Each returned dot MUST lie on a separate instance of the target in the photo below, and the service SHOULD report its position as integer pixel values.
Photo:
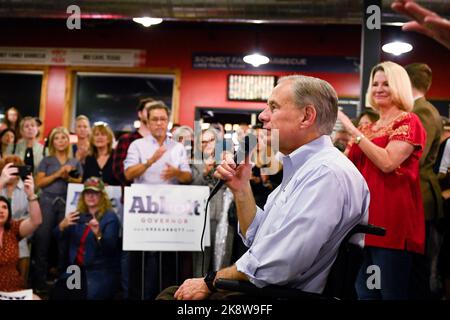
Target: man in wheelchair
(294, 240)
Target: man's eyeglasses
(159, 119)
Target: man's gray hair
(320, 94)
(158, 104)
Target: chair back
(343, 273)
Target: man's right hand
(157, 155)
(236, 177)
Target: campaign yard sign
(17, 295)
(74, 191)
(165, 218)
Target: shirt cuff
(251, 231)
(248, 264)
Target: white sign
(165, 218)
(74, 191)
(17, 295)
(73, 56)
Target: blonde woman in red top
(387, 153)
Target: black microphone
(245, 147)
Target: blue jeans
(395, 269)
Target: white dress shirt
(295, 239)
(143, 149)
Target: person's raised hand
(424, 21)
(157, 155)
(346, 122)
(8, 173)
(28, 185)
(69, 220)
(95, 226)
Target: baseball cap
(94, 184)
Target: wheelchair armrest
(368, 229)
(272, 291)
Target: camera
(74, 173)
(85, 218)
(23, 171)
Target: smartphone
(85, 218)
(74, 173)
(23, 171)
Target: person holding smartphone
(92, 235)
(18, 188)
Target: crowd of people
(389, 167)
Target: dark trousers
(425, 282)
(53, 210)
(395, 269)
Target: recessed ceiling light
(147, 21)
(397, 47)
(256, 59)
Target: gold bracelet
(359, 138)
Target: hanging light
(256, 59)
(397, 47)
(147, 21)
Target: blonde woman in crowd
(100, 159)
(80, 150)
(387, 153)
(28, 148)
(54, 173)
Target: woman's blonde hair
(105, 129)
(104, 205)
(51, 147)
(83, 117)
(399, 85)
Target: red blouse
(10, 279)
(395, 197)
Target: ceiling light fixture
(256, 59)
(147, 21)
(397, 47)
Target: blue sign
(277, 63)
